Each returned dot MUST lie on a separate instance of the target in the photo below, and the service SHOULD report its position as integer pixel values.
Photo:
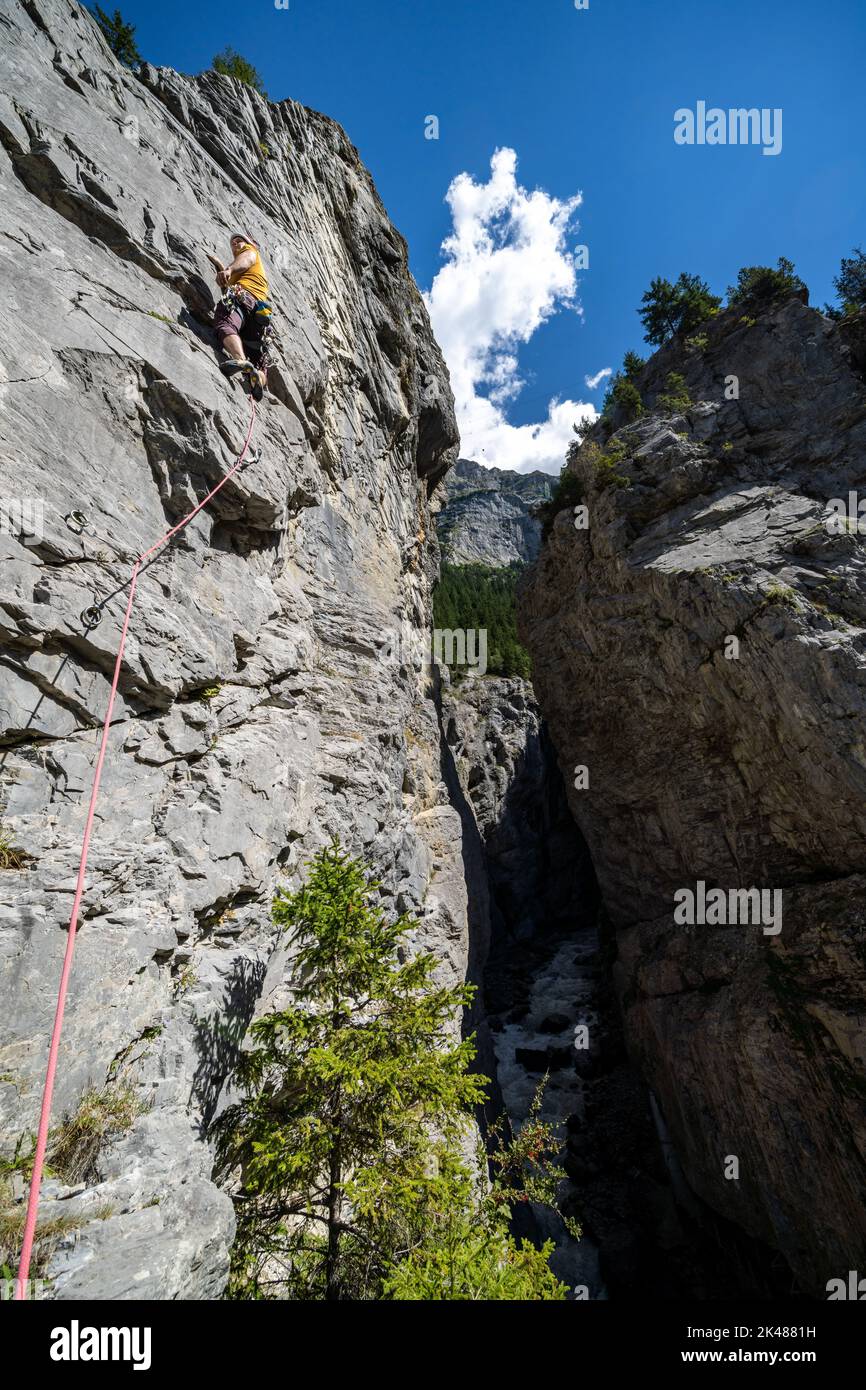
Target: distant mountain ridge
(487, 515)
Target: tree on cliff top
(348, 1143)
(230, 64)
(119, 36)
(668, 308)
(850, 285)
(759, 286)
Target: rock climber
(242, 321)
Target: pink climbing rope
(47, 1093)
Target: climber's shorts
(237, 314)
(228, 319)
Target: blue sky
(586, 100)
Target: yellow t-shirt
(253, 280)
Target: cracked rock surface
(487, 515)
(740, 765)
(266, 703)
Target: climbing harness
(54, 1047)
(235, 296)
(255, 332)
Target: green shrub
(49, 1231)
(759, 286)
(623, 394)
(10, 856)
(230, 64)
(676, 398)
(99, 1116)
(185, 979)
(777, 592)
(606, 462)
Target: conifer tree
(348, 1147)
(466, 1250)
(231, 64)
(344, 1088)
(668, 308)
(119, 36)
(850, 284)
(759, 286)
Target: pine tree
(759, 286)
(468, 1254)
(622, 393)
(632, 366)
(850, 284)
(231, 64)
(668, 308)
(465, 1249)
(119, 36)
(344, 1089)
(348, 1149)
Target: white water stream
(562, 991)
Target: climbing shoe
(253, 382)
(231, 367)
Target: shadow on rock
(219, 1036)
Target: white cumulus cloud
(594, 381)
(507, 270)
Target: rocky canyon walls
(488, 515)
(694, 723)
(697, 636)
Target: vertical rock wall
(737, 766)
(266, 701)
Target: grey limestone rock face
(739, 765)
(264, 705)
(487, 515)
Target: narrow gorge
(548, 975)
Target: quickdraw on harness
(235, 295)
(258, 314)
